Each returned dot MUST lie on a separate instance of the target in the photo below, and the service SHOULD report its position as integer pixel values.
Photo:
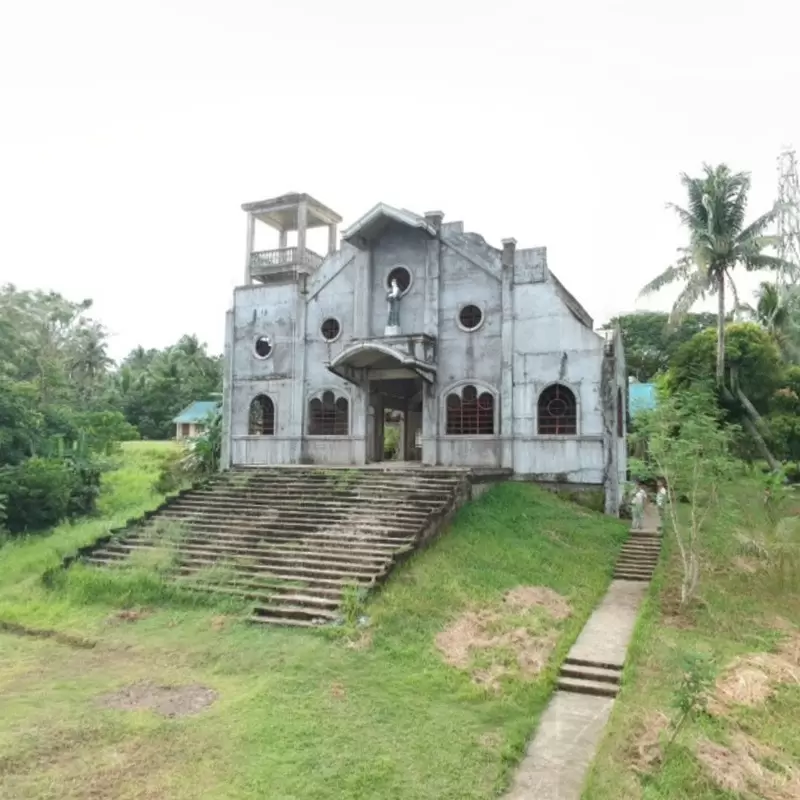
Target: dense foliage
(64, 405)
(651, 341)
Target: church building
(489, 360)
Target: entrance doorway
(396, 419)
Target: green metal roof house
(192, 420)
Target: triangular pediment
(371, 226)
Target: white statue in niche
(393, 298)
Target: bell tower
(286, 214)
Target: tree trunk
(721, 330)
(752, 430)
(751, 422)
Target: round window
(263, 346)
(470, 317)
(330, 329)
(402, 276)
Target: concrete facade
(494, 363)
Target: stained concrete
(559, 755)
(605, 637)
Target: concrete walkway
(559, 755)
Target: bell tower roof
(282, 213)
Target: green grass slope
(298, 714)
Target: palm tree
(719, 241)
(778, 312)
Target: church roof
(378, 217)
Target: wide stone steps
(291, 541)
(301, 509)
(386, 532)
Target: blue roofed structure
(193, 419)
(641, 397)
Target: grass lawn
(748, 605)
(298, 714)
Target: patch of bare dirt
(338, 691)
(751, 680)
(220, 622)
(169, 701)
(744, 564)
(128, 615)
(491, 740)
(739, 769)
(524, 598)
(361, 642)
(643, 749)
(492, 644)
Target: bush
(171, 475)
(40, 492)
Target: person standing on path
(661, 503)
(637, 508)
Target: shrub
(40, 492)
(391, 441)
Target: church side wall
(264, 311)
(469, 357)
(552, 346)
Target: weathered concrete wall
(552, 346)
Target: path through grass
(749, 603)
(299, 714)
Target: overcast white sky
(130, 133)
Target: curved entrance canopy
(375, 360)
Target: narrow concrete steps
(638, 557)
(587, 677)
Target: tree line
(751, 353)
(64, 403)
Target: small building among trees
(193, 420)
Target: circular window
(470, 317)
(402, 276)
(263, 347)
(330, 329)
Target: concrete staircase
(594, 665)
(639, 556)
(294, 540)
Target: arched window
(557, 411)
(262, 416)
(328, 416)
(470, 413)
(620, 414)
